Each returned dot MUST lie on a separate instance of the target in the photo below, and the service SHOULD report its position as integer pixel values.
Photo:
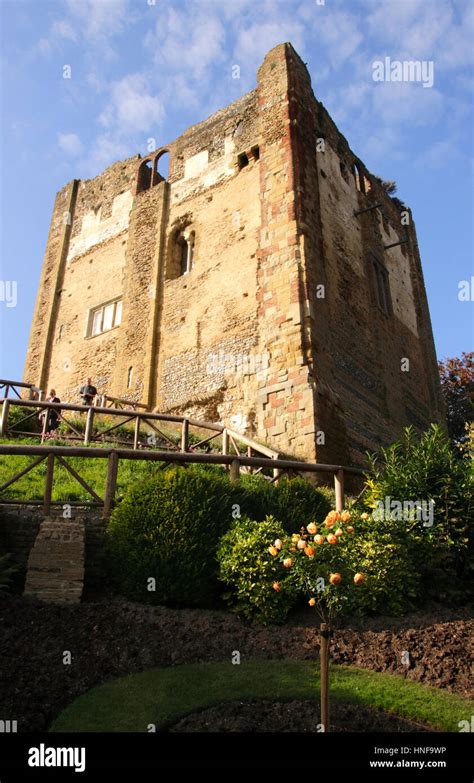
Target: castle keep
(268, 282)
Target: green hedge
(168, 527)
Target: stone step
(55, 569)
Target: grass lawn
(160, 696)
(65, 487)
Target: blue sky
(145, 70)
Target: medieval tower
(269, 282)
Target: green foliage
(251, 572)
(391, 583)
(427, 468)
(169, 527)
(16, 413)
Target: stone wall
(272, 214)
(19, 527)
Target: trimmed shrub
(260, 588)
(168, 528)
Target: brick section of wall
(285, 399)
(56, 562)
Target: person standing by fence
(88, 393)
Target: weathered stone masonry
(250, 250)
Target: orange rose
(312, 601)
(276, 586)
(319, 539)
(339, 531)
(350, 529)
(335, 579)
(331, 538)
(273, 550)
(309, 550)
(301, 543)
(345, 516)
(288, 562)
(311, 528)
(359, 578)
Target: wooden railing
(10, 388)
(236, 463)
(225, 440)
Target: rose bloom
(350, 529)
(309, 550)
(364, 515)
(319, 539)
(288, 562)
(273, 550)
(339, 531)
(331, 538)
(301, 543)
(312, 601)
(276, 586)
(311, 528)
(278, 543)
(345, 516)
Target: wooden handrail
(234, 461)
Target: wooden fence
(235, 463)
(222, 438)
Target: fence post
(136, 435)
(4, 419)
(339, 489)
(48, 489)
(89, 425)
(185, 436)
(45, 424)
(225, 441)
(324, 635)
(112, 470)
(234, 470)
(276, 471)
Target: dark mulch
(262, 715)
(109, 640)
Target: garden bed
(262, 715)
(110, 640)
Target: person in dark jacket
(53, 414)
(88, 392)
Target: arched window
(181, 254)
(363, 183)
(153, 170)
(145, 172)
(162, 166)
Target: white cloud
(190, 42)
(256, 40)
(340, 31)
(105, 151)
(62, 29)
(70, 143)
(439, 155)
(99, 18)
(132, 108)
